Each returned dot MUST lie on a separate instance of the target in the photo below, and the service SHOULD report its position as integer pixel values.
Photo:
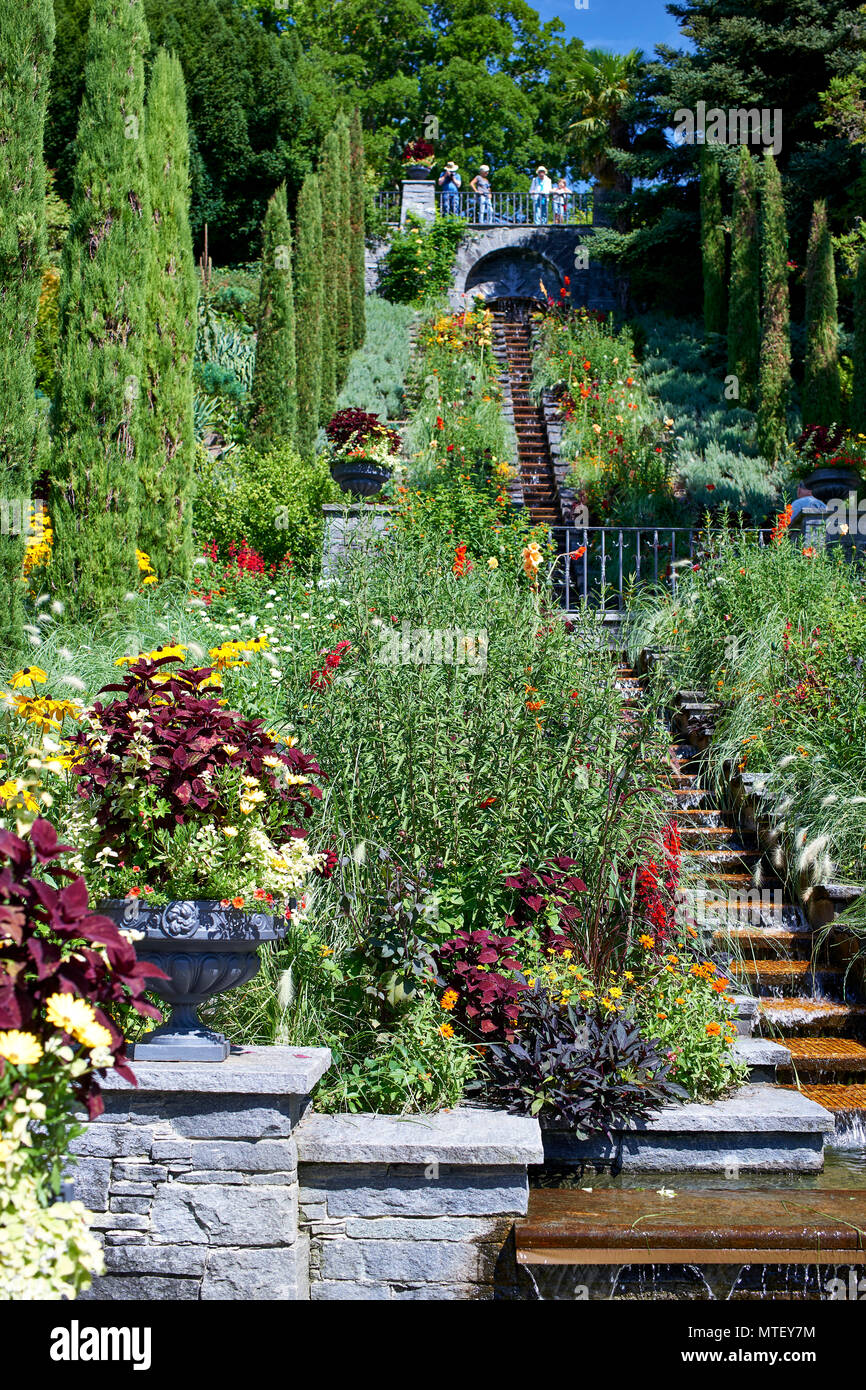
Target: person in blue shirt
(806, 502)
(450, 182)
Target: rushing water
(844, 1168)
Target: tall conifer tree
(821, 386)
(358, 272)
(775, 377)
(167, 454)
(308, 312)
(99, 377)
(858, 397)
(345, 336)
(712, 241)
(329, 188)
(26, 42)
(744, 305)
(274, 393)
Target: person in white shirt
(539, 192)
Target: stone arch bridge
(506, 262)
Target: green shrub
(272, 500)
(378, 370)
(420, 259)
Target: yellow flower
(15, 789)
(73, 1016)
(446, 1030)
(326, 951)
(21, 1049)
(94, 1035)
(615, 992)
(493, 563)
(647, 942)
(29, 676)
(449, 999)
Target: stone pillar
(414, 1207)
(353, 526)
(418, 196)
(193, 1177)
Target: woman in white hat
(480, 186)
(450, 182)
(539, 191)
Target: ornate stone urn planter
(205, 949)
(362, 477)
(833, 482)
(417, 172)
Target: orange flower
(446, 1030)
(713, 1030)
(237, 902)
(448, 1000)
(579, 553)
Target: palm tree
(603, 86)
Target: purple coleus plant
(482, 971)
(189, 738)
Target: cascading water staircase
(512, 344)
(705, 1231)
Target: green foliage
(251, 126)
(714, 448)
(744, 308)
(821, 389)
(272, 499)
(358, 198)
(344, 330)
(167, 441)
(858, 392)
(712, 241)
(378, 370)
(309, 330)
(775, 378)
(777, 633)
(274, 402)
(97, 434)
(419, 262)
(25, 56)
(329, 189)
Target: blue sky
(615, 24)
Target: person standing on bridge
(480, 186)
(450, 183)
(561, 195)
(539, 192)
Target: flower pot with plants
(362, 451)
(418, 157)
(191, 832)
(828, 460)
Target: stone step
(800, 1015)
(839, 1100)
(771, 976)
(823, 1058)
(759, 1127)
(764, 943)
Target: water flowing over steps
(513, 348)
(801, 1001)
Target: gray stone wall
(414, 1208)
(193, 1178)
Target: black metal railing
(387, 200)
(518, 209)
(597, 564)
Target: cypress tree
(712, 241)
(97, 407)
(775, 375)
(821, 385)
(345, 335)
(329, 187)
(308, 311)
(858, 394)
(744, 307)
(167, 452)
(358, 271)
(274, 398)
(26, 42)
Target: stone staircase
(537, 477)
(751, 923)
